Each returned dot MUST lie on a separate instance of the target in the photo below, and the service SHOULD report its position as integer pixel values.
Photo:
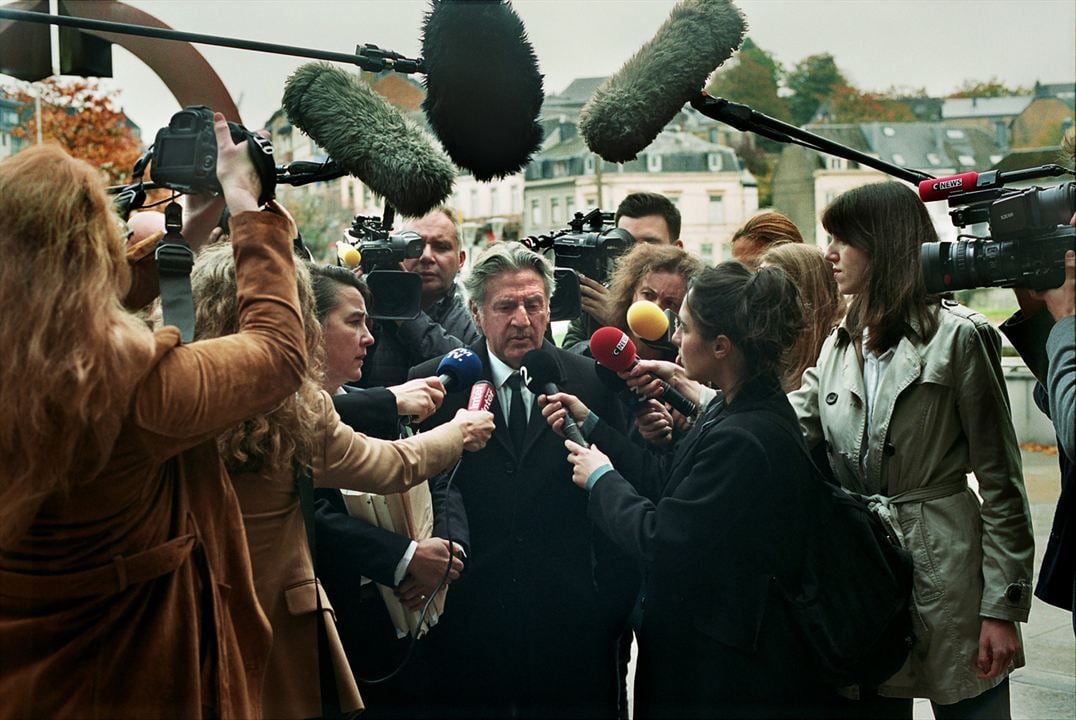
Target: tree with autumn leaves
(83, 118)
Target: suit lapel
(536, 424)
(500, 415)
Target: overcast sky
(934, 44)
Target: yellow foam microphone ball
(647, 320)
(349, 256)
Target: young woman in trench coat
(908, 397)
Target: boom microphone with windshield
(368, 138)
(629, 109)
(483, 88)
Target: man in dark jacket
(443, 325)
(530, 628)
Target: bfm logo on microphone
(623, 343)
(946, 184)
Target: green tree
(849, 105)
(812, 82)
(319, 215)
(752, 80)
(986, 88)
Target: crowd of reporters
(158, 558)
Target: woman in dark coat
(715, 525)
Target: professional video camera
(1029, 226)
(397, 294)
(588, 246)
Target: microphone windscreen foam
(539, 369)
(462, 366)
(483, 89)
(369, 138)
(612, 348)
(629, 109)
(647, 320)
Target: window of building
(966, 160)
(536, 212)
(706, 251)
(554, 210)
(836, 163)
(713, 162)
(569, 206)
(474, 203)
(494, 206)
(590, 201)
(588, 165)
(517, 198)
(717, 210)
(954, 134)
(653, 163)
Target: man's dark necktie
(517, 416)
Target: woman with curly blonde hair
(261, 454)
(658, 273)
(126, 584)
(823, 305)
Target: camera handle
(174, 262)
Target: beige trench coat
(942, 411)
(280, 554)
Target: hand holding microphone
(541, 373)
(614, 349)
(418, 398)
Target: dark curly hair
(760, 312)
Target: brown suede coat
(132, 596)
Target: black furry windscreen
(483, 88)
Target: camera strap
(174, 262)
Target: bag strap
(175, 259)
(330, 702)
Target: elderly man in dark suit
(530, 628)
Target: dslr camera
(397, 294)
(1029, 236)
(184, 154)
(588, 246)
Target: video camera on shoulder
(589, 246)
(397, 294)
(1029, 235)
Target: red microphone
(613, 349)
(481, 397)
(942, 188)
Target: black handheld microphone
(368, 138)
(483, 89)
(541, 374)
(629, 109)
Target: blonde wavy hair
(823, 305)
(633, 266)
(67, 340)
(287, 432)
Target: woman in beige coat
(908, 397)
(259, 455)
